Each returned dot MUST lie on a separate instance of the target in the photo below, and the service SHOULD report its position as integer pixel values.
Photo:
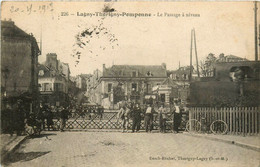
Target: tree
(207, 66)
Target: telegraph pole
(255, 27)
(196, 54)
(191, 55)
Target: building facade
(54, 81)
(127, 83)
(19, 60)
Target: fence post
(243, 120)
(250, 121)
(256, 124)
(234, 120)
(239, 120)
(190, 117)
(258, 119)
(246, 124)
(253, 120)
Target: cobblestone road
(69, 149)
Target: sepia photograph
(130, 84)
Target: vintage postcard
(127, 83)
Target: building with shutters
(128, 83)
(54, 81)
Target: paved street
(71, 149)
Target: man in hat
(64, 117)
(136, 115)
(162, 118)
(148, 118)
(177, 116)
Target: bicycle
(216, 127)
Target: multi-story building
(80, 82)
(180, 82)
(54, 81)
(19, 60)
(128, 82)
(92, 82)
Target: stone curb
(12, 148)
(244, 145)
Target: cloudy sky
(222, 27)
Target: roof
(169, 82)
(182, 70)
(44, 71)
(10, 30)
(153, 71)
(234, 57)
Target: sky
(222, 27)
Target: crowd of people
(136, 113)
(16, 118)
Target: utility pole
(41, 42)
(196, 54)
(191, 55)
(255, 27)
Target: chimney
(104, 68)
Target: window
(162, 98)
(134, 74)
(174, 76)
(184, 76)
(134, 86)
(58, 87)
(47, 87)
(109, 87)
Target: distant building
(92, 81)
(230, 58)
(128, 82)
(179, 81)
(166, 91)
(81, 82)
(19, 59)
(54, 81)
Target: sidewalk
(249, 142)
(9, 143)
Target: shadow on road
(43, 135)
(21, 156)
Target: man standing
(177, 117)
(148, 118)
(136, 118)
(120, 115)
(162, 118)
(49, 117)
(64, 117)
